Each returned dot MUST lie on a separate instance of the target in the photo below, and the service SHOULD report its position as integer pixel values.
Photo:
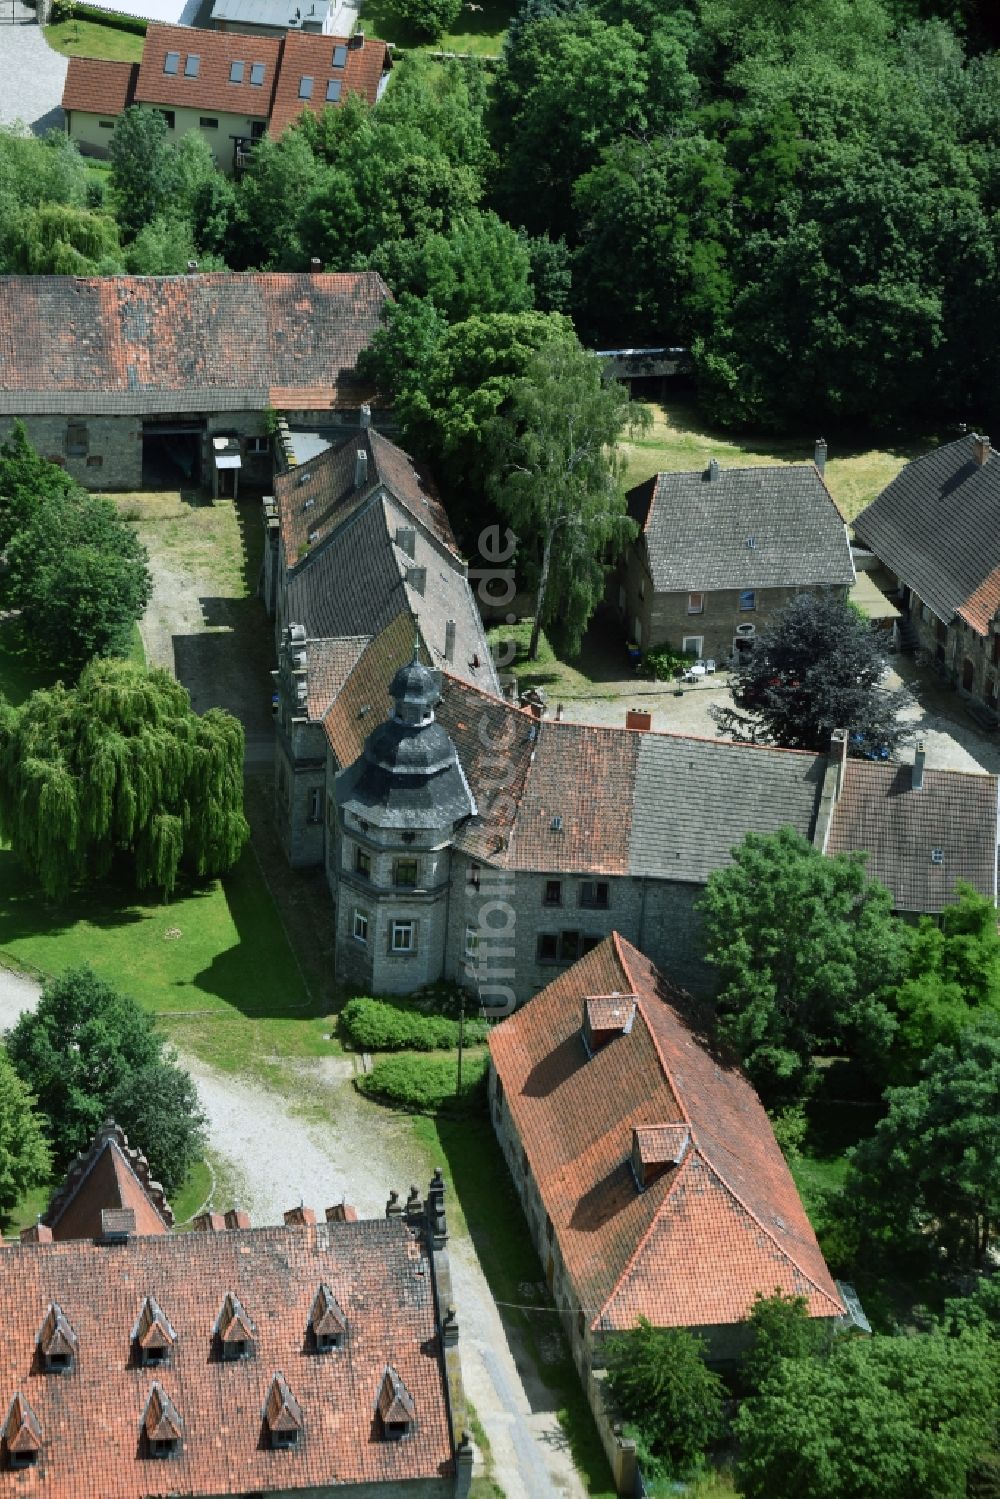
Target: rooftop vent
(395, 1406)
(162, 1426)
(657, 1149)
(57, 1342)
(153, 1335)
(22, 1434)
(327, 1322)
(283, 1415)
(234, 1329)
(606, 1016)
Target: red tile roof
(90, 1417)
(109, 1177)
(695, 1247)
(981, 606)
(194, 343)
(99, 87)
(307, 55)
(211, 88)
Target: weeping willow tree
(120, 765)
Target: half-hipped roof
(696, 1245)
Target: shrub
(428, 1084)
(663, 663)
(393, 1025)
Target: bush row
(390, 1025)
(61, 11)
(428, 1084)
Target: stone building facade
(719, 553)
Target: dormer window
(57, 1342)
(162, 1425)
(396, 1410)
(153, 1336)
(282, 1415)
(657, 1149)
(606, 1016)
(235, 1331)
(327, 1323)
(22, 1434)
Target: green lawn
(484, 1204)
(91, 39)
(680, 440)
(213, 964)
(479, 32)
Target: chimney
(300, 1217)
(360, 468)
(342, 1212)
(820, 455)
(417, 579)
(210, 1223)
(980, 449)
(315, 266)
(357, 40)
(449, 640)
(838, 757)
(638, 718)
(38, 1233)
(192, 267)
(366, 415)
(917, 777)
(237, 1218)
(713, 470)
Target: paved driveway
(31, 74)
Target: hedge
(390, 1025)
(103, 18)
(427, 1084)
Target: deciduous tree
(557, 478)
(143, 168)
(120, 767)
(25, 1162)
(659, 1382)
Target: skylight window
(257, 74)
(171, 63)
(340, 56)
(236, 72)
(333, 90)
(191, 65)
(305, 88)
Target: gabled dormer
(22, 1435)
(396, 1409)
(282, 1415)
(327, 1323)
(153, 1336)
(162, 1426)
(657, 1149)
(235, 1331)
(58, 1344)
(606, 1016)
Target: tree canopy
(556, 476)
(877, 1418)
(816, 666)
(87, 1050)
(806, 950)
(25, 1162)
(120, 768)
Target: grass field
(213, 964)
(680, 440)
(488, 1209)
(91, 39)
(480, 32)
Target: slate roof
(99, 87)
(109, 1177)
(134, 344)
(90, 1418)
(954, 812)
(695, 1247)
(937, 526)
(697, 531)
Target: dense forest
(806, 193)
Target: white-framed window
(360, 932)
(691, 645)
(472, 942)
(403, 936)
(696, 603)
(748, 598)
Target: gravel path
(31, 74)
(354, 1152)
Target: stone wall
(969, 660)
(108, 457)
